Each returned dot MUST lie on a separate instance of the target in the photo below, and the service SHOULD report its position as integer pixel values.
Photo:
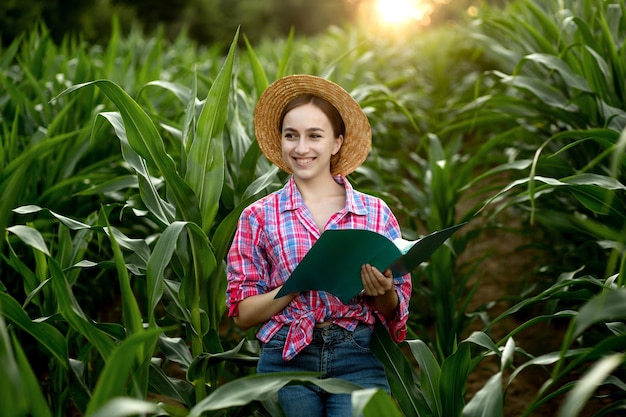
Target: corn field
(124, 168)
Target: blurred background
(210, 21)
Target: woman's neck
(320, 187)
(323, 198)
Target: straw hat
(357, 139)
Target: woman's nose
(302, 146)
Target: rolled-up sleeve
(397, 324)
(247, 266)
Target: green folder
(334, 263)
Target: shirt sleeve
(403, 287)
(247, 269)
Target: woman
(314, 130)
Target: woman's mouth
(303, 162)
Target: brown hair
(336, 122)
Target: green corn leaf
(430, 372)
(120, 183)
(258, 73)
(130, 308)
(183, 94)
(285, 61)
(373, 402)
(545, 92)
(621, 279)
(481, 339)
(618, 162)
(488, 401)
(545, 360)
(144, 138)
(598, 200)
(552, 62)
(30, 281)
(81, 393)
(35, 399)
(205, 160)
(126, 407)
(403, 381)
(177, 389)
(260, 387)
(131, 314)
(189, 125)
(603, 181)
(203, 362)
(31, 237)
(70, 249)
(13, 178)
(44, 333)
(608, 305)
(138, 246)
(507, 354)
(556, 291)
(578, 397)
(194, 286)
(119, 368)
(160, 208)
(11, 387)
(70, 223)
(597, 69)
(158, 261)
(565, 314)
(74, 315)
(176, 350)
(454, 371)
(546, 32)
(8, 54)
(262, 183)
(610, 44)
(176, 307)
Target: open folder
(334, 262)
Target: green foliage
(124, 170)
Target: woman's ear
(338, 143)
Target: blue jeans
(335, 353)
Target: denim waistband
(335, 332)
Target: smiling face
(309, 141)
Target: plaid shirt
(272, 237)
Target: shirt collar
(291, 199)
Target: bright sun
(401, 11)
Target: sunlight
(393, 12)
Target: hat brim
(357, 141)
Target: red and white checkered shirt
(272, 237)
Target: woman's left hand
(375, 283)
(379, 286)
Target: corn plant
(186, 217)
(555, 96)
(135, 186)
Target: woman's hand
(375, 283)
(380, 286)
